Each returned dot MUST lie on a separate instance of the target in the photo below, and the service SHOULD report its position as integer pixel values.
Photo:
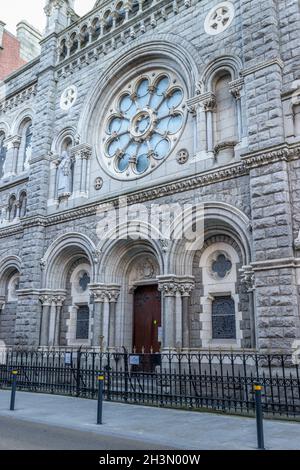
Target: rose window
(144, 124)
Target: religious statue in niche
(64, 175)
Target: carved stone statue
(64, 175)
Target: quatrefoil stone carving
(68, 97)
(219, 18)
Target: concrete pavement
(150, 427)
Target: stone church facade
(170, 103)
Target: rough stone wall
(265, 38)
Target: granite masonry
(188, 109)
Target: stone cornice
(13, 182)
(18, 97)
(262, 65)
(282, 152)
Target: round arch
(24, 116)
(60, 256)
(164, 49)
(216, 218)
(125, 250)
(228, 63)
(8, 266)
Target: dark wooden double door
(147, 319)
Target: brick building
(16, 51)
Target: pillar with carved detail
(209, 106)
(98, 298)
(186, 287)
(58, 303)
(113, 299)
(168, 286)
(235, 89)
(46, 302)
(81, 154)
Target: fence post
(13, 390)
(100, 399)
(78, 374)
(259, 417)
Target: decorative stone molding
(170, 285)
(50, 297)
(262, 65)
(219, 18)
(18, 98)
(224, 146)
(235, 88)
(248, 278)
(264, 157)
(2, 302)
(98, 183)
(182, 156)
(83, 151)
(145, 19)
(101, 292)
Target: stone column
(209, 106)
(82, 154)
(98, 298)
(58, 302)
(2, 303)
(235, 88)
(168, 286)
(248, 281)
(186, 287)
(113, 299)
(105, 298)
(16, 142)
(45, 320)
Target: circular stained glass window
(143, 124)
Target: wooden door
(147, 319)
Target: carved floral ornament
(219, 18)
(68, 97)
(143, 124)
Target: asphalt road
(23, 435)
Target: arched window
(2, 153)
(23, 204)
(226, 119)
(12, 208)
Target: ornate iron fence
(203, 380)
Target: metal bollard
(100, 398)
(259, 417)
(13, 390)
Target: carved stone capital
(235, 88)
(168, 285)
(2, 302)
(248, 278)
(13, 142)
(83, 151)
(186, 286)
(104, 292)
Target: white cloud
(13, 11)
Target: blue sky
(13, 11)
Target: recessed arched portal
(133, 265)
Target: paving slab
(172, 428)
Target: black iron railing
(204, 380)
